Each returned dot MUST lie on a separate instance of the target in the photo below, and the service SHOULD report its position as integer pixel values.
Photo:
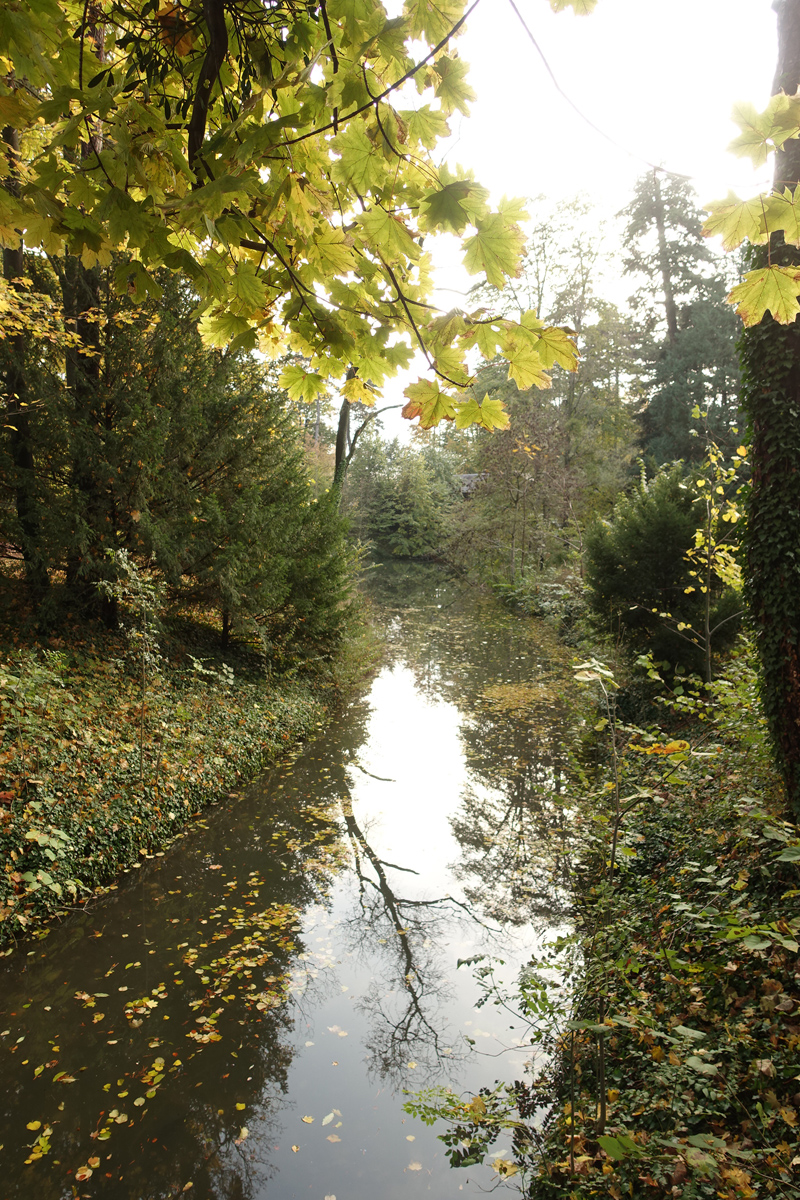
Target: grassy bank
(106, 753)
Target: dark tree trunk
(17, 422)
(771, 396)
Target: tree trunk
(663, 259)
(770, 356)
(17, 422)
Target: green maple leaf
(359, 164)
(389, 235)
(452, 88)
(433, 19)
(248, 287)
(490, 414)
(300, 384)
(771, 289)
(525, 366)
(426, 401)
(330, 249)
(445, 209)
(486, 335)
(495, 249)
(426, 125)
(736, 220)
(581, 7)
(445, 329)
(218, 330)
(766, 131)
(556, 346)
(783, 212)
(357, 392)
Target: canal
(244, 1015)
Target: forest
(219, 223)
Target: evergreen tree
(686, 331)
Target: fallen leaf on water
(309, 1043)
(410, 1137)
(241, 1107)
(325, 1120)
(332, 1137)
(411, 1065)
(308, 1120)
(415, 1166)
(94, 1163)
(36, 1125)
(334, 1063)
(139, 1101)
(83, 1173)
(295, 1149)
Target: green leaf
(359, 163)
(357, 392)
(445, 209)
(300, 384)
(429, 403)
(425, 125)
(736, 220)
(330, 249)
(581, 7)
(452, 88)
(770, 289)
(490, 414)
(389, 235)
(495, 249)
(248, 287)
(762, 133)
(790, 854)
(701, 1066)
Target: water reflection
(244, 1013)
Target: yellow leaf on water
(34, 1125)
(307, 1120)
(332, 1137)
(415, 1166)
(241, 1107)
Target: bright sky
(659, 77)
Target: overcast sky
(658, 77)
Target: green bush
(637, 573)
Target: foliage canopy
(279, 157)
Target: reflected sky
(244, 1014)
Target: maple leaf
(426, 401)
(490, 414)
(494, 249)
(425, 125)
(771, 289)
(736, 220)
(783, 212)
(452, 88)
(389, 235)
(445, 209)
(764, 132)
(357, 392)
(359, 164)
(331, 250)
(301, 384)
(581, 7)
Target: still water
(242, 1017)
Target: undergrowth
(108, 746)
(669, 1019)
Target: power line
(582, 115)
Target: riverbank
(105, 756)
(666, 1027)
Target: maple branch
(334, 56)
(214, 12)
(410, 73)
